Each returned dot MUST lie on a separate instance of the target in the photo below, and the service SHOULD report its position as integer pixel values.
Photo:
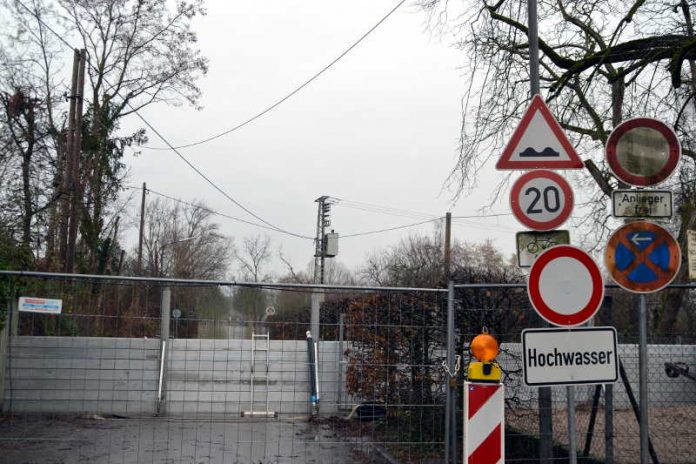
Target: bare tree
(597, 59)
(30, 131)
(252, 258)
(181, 241)
(418, 261)
(139, 52)
(600, 62)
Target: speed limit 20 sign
(541, 200)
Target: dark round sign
(643, 151)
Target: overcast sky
(380, 127)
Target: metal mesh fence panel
(506, 311)
(173, 371)
(222, 373)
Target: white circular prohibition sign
(541, 200)
(565, 286)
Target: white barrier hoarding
(570, 356)
(30, 304)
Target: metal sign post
(545, 401)
(643, 380)
(572, 436)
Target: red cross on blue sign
(642, 257)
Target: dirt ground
(672, 432)
(63, 440)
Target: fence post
(609, 398)
(4, 349)
(14, 314)
(314, 324)
(165, 313)
(165, 316)
(451, 399)
(341, 362)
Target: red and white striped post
(484, 423)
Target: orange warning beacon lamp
(484, 347)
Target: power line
(475, 216)
(405, 226)
(209, 181)
(288, 96)
(470, 225)
(212, 211)
(381, 209)
(152, 128)
(388, 210)
(217, 213)
(392, 211)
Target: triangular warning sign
(539, 143)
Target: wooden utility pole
(73, 167)
(139, 269)
(75, 187)
(66, 181)
(448, 247)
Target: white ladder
(264, 361)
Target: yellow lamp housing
(485, 372)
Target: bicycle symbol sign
(642, 257)
(532, 244)
(541, 200)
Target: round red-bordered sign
(541, 200)
(643, 151)
(565, 286)
(642, 257)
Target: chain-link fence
(164, 371)
(600, 437)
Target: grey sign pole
(533, 36)
(609, 397)
(545, 403)
(643, 379)
(572, 435)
